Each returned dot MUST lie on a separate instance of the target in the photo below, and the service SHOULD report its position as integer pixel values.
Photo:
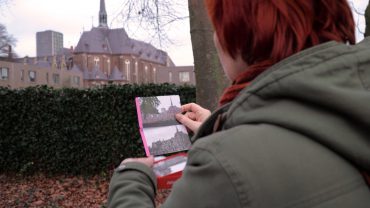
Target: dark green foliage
(149, 105)
(71, 131)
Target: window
(108, 62)
(22, 75)
(146, 74)
(96, 61)
(127, 63)
(154, 75)
(32, 75)
(85, 60)
(4, 73)
(137, 72)
(76, 80)
(170, 77)
(56, 78)
(184, 76)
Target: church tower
(102, 15)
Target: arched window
(85, 61)
(146, 76)
(154, 75)
(127, 64)
(109, 70)
(96, 61)
(137, 72)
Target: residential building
(179, 75)
(39, 71)
(49, 43)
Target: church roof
(95, 74)
(116, 75)
(116, 41)
(75, 68)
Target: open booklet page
(160, 132)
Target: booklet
(162, 134)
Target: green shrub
(71, 131)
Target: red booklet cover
(169, 169)
(162, 134)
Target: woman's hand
(148, 161)
(194, 116)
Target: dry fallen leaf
(41, 191)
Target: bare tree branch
(155, 17)
(359, 14)
(2, 2)
(6, 41)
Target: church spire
(102, 15)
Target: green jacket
(296, 137)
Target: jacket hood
(322, 92)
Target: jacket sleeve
(204, 183)
(132, 185)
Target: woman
(291, 131)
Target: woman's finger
(192, 125)
(191, 107)
(190, 115)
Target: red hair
(266, 31)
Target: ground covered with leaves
(41, 191)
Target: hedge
(71, 131)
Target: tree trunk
(210, 78)
(367, 19)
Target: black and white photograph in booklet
(159, 110)
(164, 140)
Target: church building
(110, 56)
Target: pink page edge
(141, 127)
(138, 112)
(144, 141)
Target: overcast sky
(23, 18)
(166, 101)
